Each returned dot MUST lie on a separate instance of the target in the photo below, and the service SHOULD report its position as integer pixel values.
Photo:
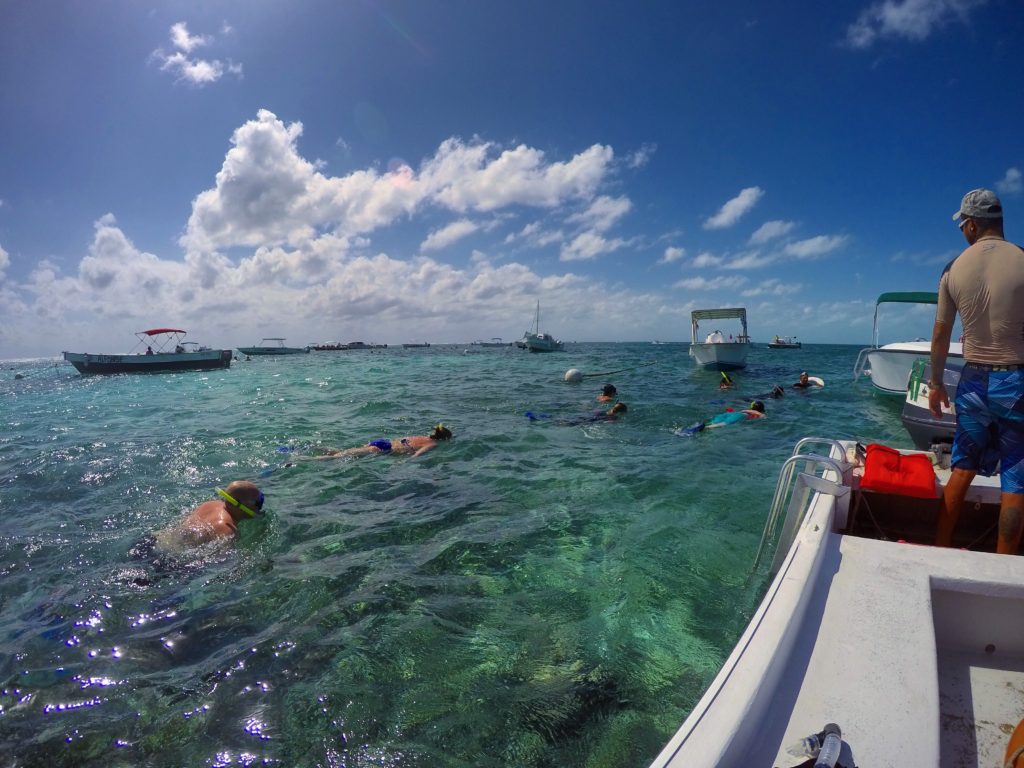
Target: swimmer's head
(608, 390)
(617, 408)
(778, 391)
(803, 377)
(758, 406)
(243, 496)
(441, 432)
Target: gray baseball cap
(980, 204)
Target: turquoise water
(528, 594)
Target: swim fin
(691, 430)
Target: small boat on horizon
(172, 353)
(416, 345)
(273, 349)
(784, 342)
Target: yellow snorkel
(235, 502)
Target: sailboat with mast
(536, 341)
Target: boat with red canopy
(158, 350)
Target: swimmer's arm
(424, 449)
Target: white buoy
(574, 375)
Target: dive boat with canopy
(278, 348)
(889, 366)
(715, 352)
(158, 350)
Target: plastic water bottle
(830, 746)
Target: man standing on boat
(985, 284)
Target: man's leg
(1011, 523)
(952, 500)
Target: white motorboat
(172, 353)
(535, 341)
(889, 366)
(916, 652)
(277, 348)
(717, 352)
(784, 342)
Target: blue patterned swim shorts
(990, 425)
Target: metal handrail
(861, 364)
(809, 481)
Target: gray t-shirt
(985, 284)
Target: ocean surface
(527, 594)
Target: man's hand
(937, 397)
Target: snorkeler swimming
(417, 445)
(755, 411)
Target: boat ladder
(860, 368)
(803, 475)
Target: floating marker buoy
(574, 375)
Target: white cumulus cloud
(672, 253)
(714, 284)
(1011, 183)
(773, 287)
(771, 230)
(707, 259)
(603, 213)
(266, 193)
(913, 20)
(642, 156)
(749, 260)
(813, 247)
(445, 236)
(589, 245)
(734, 210)
(196, 71)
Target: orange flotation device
(1015, 749)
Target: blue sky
(420, 170)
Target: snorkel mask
(235, 502)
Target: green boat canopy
(912, 297)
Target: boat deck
(917, 652)
(904, 631)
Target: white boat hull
(273, 350)
(889, 366)
(916, 652)
(724, 356)
(89, 364)
(542, 342)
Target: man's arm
(937, 395)
(424, 449)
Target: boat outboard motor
(925, 430)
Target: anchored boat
(536, 341)
(277, 348)
(889, 366)
(716, 352)
(158, 350)
(784, 342)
